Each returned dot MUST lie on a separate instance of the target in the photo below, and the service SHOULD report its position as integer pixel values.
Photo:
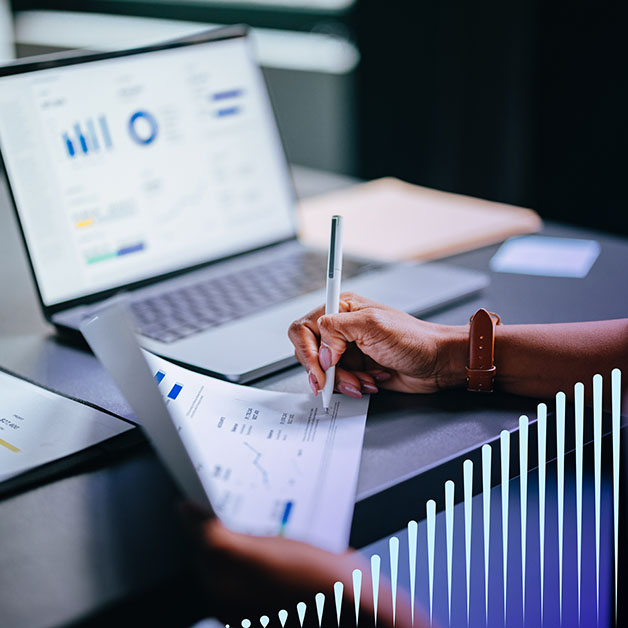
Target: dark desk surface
(77, 544)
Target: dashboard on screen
(127, 168)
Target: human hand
(377, 346)
(247, 576)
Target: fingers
(367, 382)
(305, 337)
(381, 376)
(320, 340)
(337, 331)
(354, 383)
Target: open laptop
(158, 173)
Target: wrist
(453, 356)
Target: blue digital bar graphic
(81, 138)
(231, 93)
(159, 375)
(174, 391)
(104, 128)
(286, 513)
(69, 146)
(92, 135)
(229, 111)
(134, 248)
(95, 138)
(284, 519)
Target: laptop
(157, 175)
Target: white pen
(332, 302)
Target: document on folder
(265, 462)
(391, 220)
(38, 426)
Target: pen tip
(326, 410)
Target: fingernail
(350, 391)
(369, 388)
(324, 357)
(383, 377)
(313, 383)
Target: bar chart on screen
(89, 137)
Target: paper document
(274, 463)
(265, 462)
(38, 426)
(542, 255)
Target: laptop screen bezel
(80, 57)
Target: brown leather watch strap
(481, 370)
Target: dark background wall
(522, 101)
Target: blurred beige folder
(388, 219)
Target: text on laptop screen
(124, 169)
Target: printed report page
(273, 463)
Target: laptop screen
(128, 168)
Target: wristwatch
(481, 370)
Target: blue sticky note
(543, 255)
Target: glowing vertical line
(523, 502)
(375, 567)
(393, 547)
(283, 616)
(486, 502)
(504, 439)
(449, 522)
(357, 591)
(430, 508)
(616, 414)
(338, 591)
(301, 608)
(560, 480)
(320, 607)
(579, 405)
(542, 461)
(467, 468)
(412, 543)
(597, 461)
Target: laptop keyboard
(185, 311)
